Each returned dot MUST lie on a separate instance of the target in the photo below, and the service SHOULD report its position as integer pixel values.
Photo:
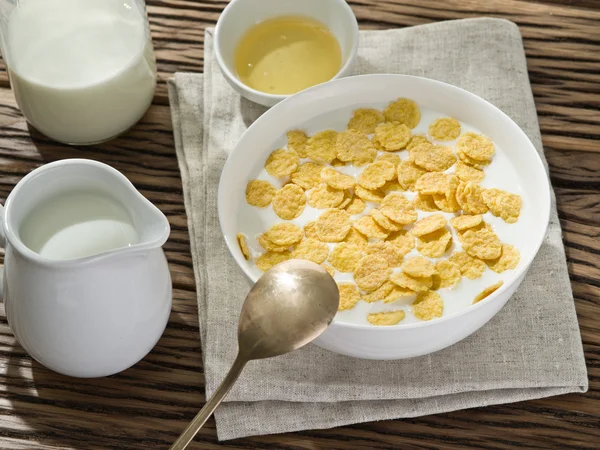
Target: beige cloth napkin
(531, 349)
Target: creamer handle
(2, 236)
(2, 245)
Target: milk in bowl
(82, 71)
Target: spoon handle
(188, 434)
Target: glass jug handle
(2, 245)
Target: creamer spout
(151, 224)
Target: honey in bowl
(287, 54)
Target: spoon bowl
(288, 307)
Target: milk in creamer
(83, 71)
(77, 225)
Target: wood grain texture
(148, 405)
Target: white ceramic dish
(516, 168)
(240, 15)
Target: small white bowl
(240, 15)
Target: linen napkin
(531, 349)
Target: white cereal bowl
(240, 15)
(517, 167)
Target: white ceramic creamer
(86, 285)
(83, 71)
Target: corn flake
(482, 244)
(465, 172)
(267, 260)
(281, 163)
(321, 146)
(310, 230)
(465, 221)
(389, 157)
(446, 129)
(380, 293)
(446, 202)
(417, 139)
(312, 250)
(333, 225)
(337, 180)
(503, 204)
(391, 186)
(396, 207)
(471, 268)
(447, 275)
(355, 237)
(386, 318)
(436, 183)
(371, 272)
(376, 174)
(353, 146)
(347, 199)
(403, 240)
(392, 254)
(284, 233)
(349, 295)
(345, 256)
(508, 260)
(324, 196)
(434, 245)
(475, 146)
(398, 293)
(297, 142)
(480, 165)
(241, 240)
(403, 111)
(270, 246)
(425, 203)
(330, 270)
(468, 197)
(428, 225)
(259, 193)
(391, 136)
(487, 291)
(416, 284)
(383, 221)
(428, 305)
(368, 195)
(367, 226)
(356, 205)
(482, 226)
(408, 174)
(365, 120)
(415, 149)
(337, 163)
(435, 158)
(289, 201)
(417, 266)
(377, 145)
(308, 175)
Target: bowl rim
(279, 97)
(519, 273)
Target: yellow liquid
(287, 54)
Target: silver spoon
(288, 307)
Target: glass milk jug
(82, 71)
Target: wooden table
(148, 405)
